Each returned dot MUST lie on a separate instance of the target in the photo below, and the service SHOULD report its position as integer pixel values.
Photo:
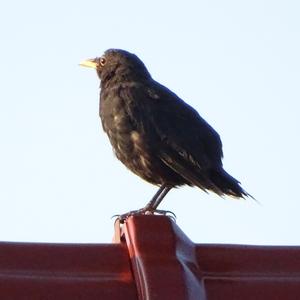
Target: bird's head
(117, 64)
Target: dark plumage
(156, 134)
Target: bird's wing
(184, 141)
(184, 129)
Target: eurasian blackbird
(156, 134)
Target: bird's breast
(134, 141)
(129, 144)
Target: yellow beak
(89, 63)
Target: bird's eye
(102, 61)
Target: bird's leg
(157, 198)
(151, 207)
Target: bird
(156, 134)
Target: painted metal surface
(151, 259)
(65, 272)
(163, 259)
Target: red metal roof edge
(35, 271)
(165, 262)
(151, 259)
(162, 263)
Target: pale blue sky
(236, 62)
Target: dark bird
(156, 134)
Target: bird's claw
(166, 213)
(145, 211)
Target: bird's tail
(227, 184)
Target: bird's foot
(145, 211)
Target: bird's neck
(120, 75)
